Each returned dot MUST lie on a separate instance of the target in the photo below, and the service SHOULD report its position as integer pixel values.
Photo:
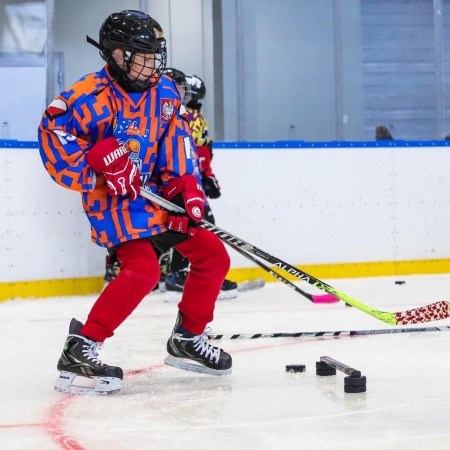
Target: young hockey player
(110, 133)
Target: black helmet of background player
(132, 32)
(196, 91)
(180, 79)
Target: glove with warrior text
(111, 159)
(209, 180)
(187, 193)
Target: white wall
(306, 206)
(21, 109)
(289, 58)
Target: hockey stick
(331, 334)
(435, 311)
(325, 298)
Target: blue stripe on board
(11, 143)
(330, 144)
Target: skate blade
(250, 285)
(192, 366)
(228, 295)
(102, 385)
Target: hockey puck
(354, 389)
(400, 282)
(294, 368)
(355, 385)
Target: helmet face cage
(196, 89)
(158, 64)
(134, 32)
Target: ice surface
(260, 406)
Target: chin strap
(105, 54)
(92, 42)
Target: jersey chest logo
(167, 109)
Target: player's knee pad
(142, 282)
(139, 264)
(207, 253)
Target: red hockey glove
(187, 193)
(204, 158)
(121, 174)
(209, 180)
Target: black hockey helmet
(132, 32)
(196, 91)
(177, 75)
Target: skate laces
(90, 351)
(201, 346)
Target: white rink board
(44, 232)
(339, 205)
(305, 206)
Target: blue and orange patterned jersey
(198, 126)
(150, 125)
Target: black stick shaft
(332, 334)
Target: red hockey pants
(139, 274)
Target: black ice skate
(228, 290)
(112, 269)
(80, 358)
(175, 281)
(174, 285)
(192, 352)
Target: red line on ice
(54, 424)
